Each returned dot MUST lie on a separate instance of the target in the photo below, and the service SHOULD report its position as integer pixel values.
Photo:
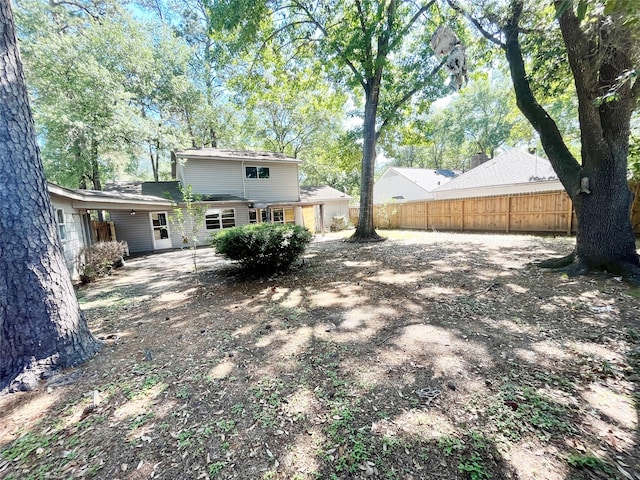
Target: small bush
(99, 259)
(263, 246)
(339, 223)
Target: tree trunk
(155, 160)
(95, 165)
(41, 325)
(365, 230)
(598, 188)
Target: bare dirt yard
(427, 356)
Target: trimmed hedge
(263, 246)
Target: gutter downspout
(244, 188)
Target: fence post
(508, 213)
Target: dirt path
(429, 355)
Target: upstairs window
(62, 227)
(220, 218)
(256, 172)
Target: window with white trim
(217, 219)
(62, 224)
(283, 215)
(256, 172)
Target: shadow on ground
(426, 356)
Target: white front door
(160, 226)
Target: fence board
(541, 212)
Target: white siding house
(328, 203)
(73, 225)
(405, 184)
(234, 187)
(255, 176)
(71, 212)
(509, 173)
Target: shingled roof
(240, 155)
(510, 168)
(309, 193)
(167, 190)
(426, 178)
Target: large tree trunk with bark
(598, 185)
(41, 325)
(365, 230)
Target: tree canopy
(597, 42)
(380, 49)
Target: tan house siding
(204, 235)
(135, 231)
(282, 184)
(228, 177)
(212, 176)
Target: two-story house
(234, 187)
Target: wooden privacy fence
(103, 231)
(540, 212)
(549, 212)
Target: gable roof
(166, 190)
(309, 193)
(239, 155)
(426, 178)
(509, 168)
(106, 196)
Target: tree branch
(338, 50)
(407, 96)
(414, 19)
(564, 164)
(489, 36)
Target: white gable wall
(530, 187)
(332, 209)
(393, 184)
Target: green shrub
(99, 259)
(263, 246)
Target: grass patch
(519, 410)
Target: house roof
(509, 168)
(105, 197)
(239, 155)
(309, 193)
(426, 178)
(167, 191)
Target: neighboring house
(406, 184)
(328, 203)
(511, 172)
(71, 212)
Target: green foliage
(107, 90)
(99, 259)
(216, 468)
(263, 246)
(589, 462)
(518, 410)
